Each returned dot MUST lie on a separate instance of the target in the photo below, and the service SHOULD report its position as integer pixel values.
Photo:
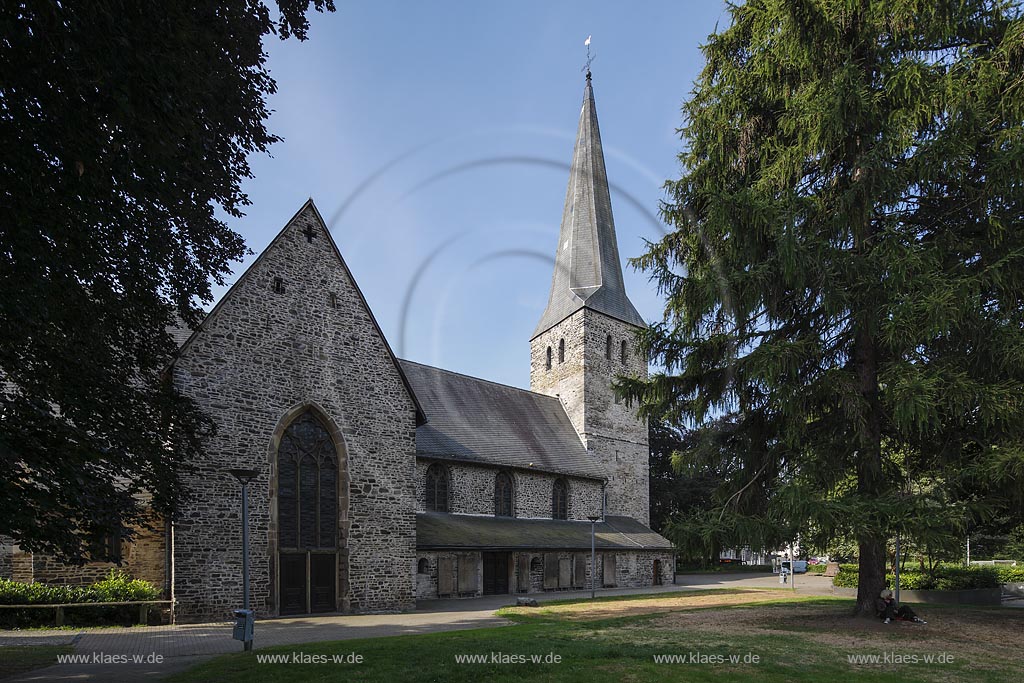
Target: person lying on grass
(888, 610)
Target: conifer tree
(845, 274)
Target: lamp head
(243, 476)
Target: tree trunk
(871, 577)
(870, 479)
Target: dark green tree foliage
(676, 490)
(721, 506)
(847, 266)
(125, 129)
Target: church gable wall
(294, 330)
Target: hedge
(816, 568)
(1008, 574)
(945, 578)
(116, 587)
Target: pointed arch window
(608, 347)
(625, 351)
(307, 488)
(437, 484)
(561, 350)
(547, 365)
(560, 499)
(503, 495)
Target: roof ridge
(480, 379)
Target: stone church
(383, 481)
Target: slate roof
(442, 531)
(588, 273)
(179, 331)
(494, 424)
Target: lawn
(718, 635)
(21, 658)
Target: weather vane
(586, 67)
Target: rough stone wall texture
(471, 491)
(21, 566)
(294, 332)
(6, 556)
(583, 382)
(426, 586)
(633, 569)
(143, 558)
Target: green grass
(22, 658)
(618, 648)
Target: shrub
(116, 587)
(120, 587)
(14, 593)
(946, 578)
(1009, 574)
(845, 578)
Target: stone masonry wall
(295, 333)
(610, 429)
(6, 556)
(143, 558)
(613, 431)
(633, 569)
(471, 491)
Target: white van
(799, 566)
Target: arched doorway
(308, 484)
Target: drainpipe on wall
(169, 563)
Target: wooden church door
(307, 515)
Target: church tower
(585, 337)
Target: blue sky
(435, 139)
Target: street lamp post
(593, 557)
(244, 477)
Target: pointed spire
(588, 273)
